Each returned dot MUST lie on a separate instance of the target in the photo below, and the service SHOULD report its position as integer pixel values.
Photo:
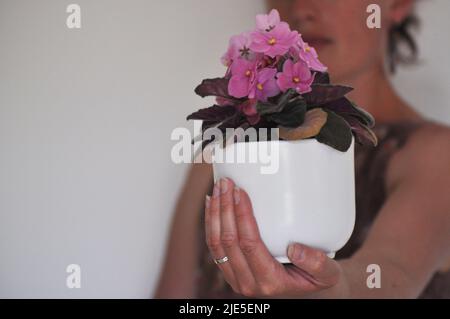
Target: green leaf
(336, 133)
(293, 114)
(359, 120)
(286, 97)
(264, 108)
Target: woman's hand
(231, 231)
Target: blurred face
(338, 30)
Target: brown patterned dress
(370, 168)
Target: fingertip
(244, 196)
(230, 181)
(207, 201)
(296, 252)
(313, 261)
(216, 189)
(225, 185)
(237, 195)
(243, 205)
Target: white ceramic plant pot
(309, 200)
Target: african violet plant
(275, 80)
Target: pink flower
(243, 75)
(238, 47)
(246, 81)
(310, 56)
(295, 76)
(266, 22)
(250, 111)
(275, 42)
(265, 85)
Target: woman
(403, 207)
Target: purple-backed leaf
(234, 121)
(325, 93)
(265, 108)
(222, 101)
(368, 118)
(208, 124)
(214, 87)
(364, 135)
(345, 108)
(254, 119)
(205, 125)
(322, 78)
(211, 117)
(214, 113)
(248, 107)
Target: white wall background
(426, 85)
(85, 123)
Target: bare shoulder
(418, 202)
(425, 154)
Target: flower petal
(238, 86)
(284, 82)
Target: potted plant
(274, 80)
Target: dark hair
(402, 47)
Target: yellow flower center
(308, 49)
(296, 79)
(259, 86)
(272, 41)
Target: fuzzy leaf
(364, 135)
(264, 108)
(208, 124)
(280, 63)
(322, 78)
(293, 114)
(214, 113)
(368, 118)
(346, 108)
(325, 93)
(214, 87)
(233, 121)
(286, 97)
(336, 133)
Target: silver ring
(221, 260)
